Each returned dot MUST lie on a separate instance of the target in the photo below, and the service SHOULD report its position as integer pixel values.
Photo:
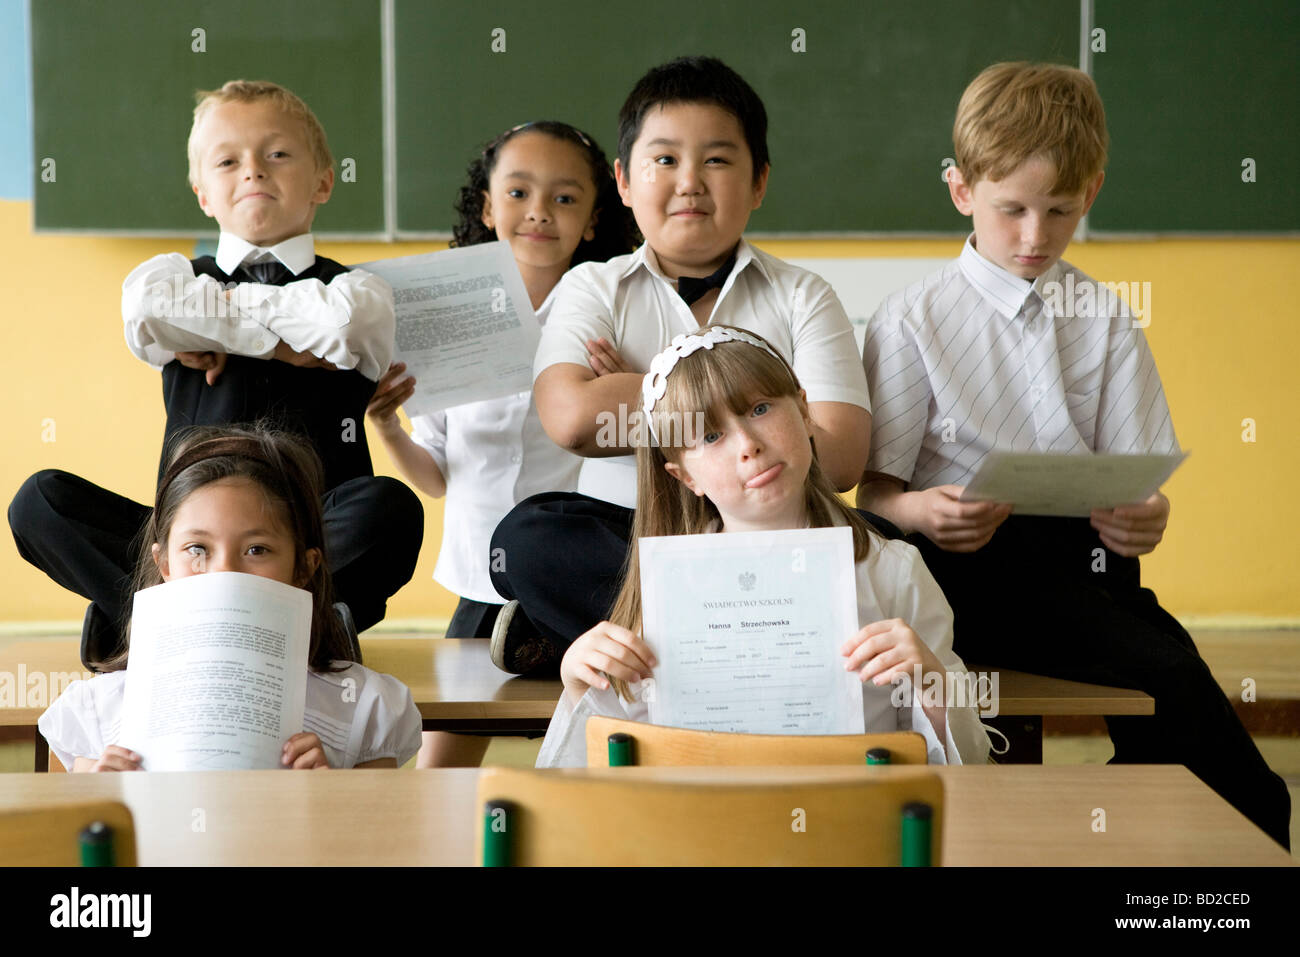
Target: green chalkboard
(860, 98)
(859, 124)
(113, 93)
(1192, 91)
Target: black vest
(327, 407)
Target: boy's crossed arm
(214, 363)
(573, 402)
(169, 312)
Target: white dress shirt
(633, 305)
(375, 718)
(892, 582)
(972, 358)
(167, 309)
(493, 455)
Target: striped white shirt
(973, 358)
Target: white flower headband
(655, 383)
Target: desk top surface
(1009, 815)
(452, 679)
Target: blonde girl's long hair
(730, 376)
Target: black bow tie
(691, 289)
(272, 272)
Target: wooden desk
(1025, 698)
(56, 661)
(1155, 815)
(453, 682)
(457, 688)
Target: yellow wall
(1224, 331)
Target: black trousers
(1045, 596)
(472, 619)
(562, 559)
(87, 539)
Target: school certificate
(747, 629)
(465, 326)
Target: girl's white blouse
(375, 718)
(493, 455)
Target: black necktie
(691, 289)
(272, 272)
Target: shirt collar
(1054, 274)
(645, 257)
(746, 254)
(297, 253)
(1000, 289)
(545, 307)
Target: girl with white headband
(752, 467)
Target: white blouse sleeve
(429, 432)
(582, 310)
(825, 352)
(900, 394)
(1132, 414)
(167, 309)
(392, 721)
(565, 745)
(918, 600)
(73, 726)
(349, 322)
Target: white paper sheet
(1068, 485)
(747, 628)
(217, 677)
(465, 327)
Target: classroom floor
(1232, 656)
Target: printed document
(747, 629)
(218, 672)
(465, 327)
(1068, 485)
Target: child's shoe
(100, 639)
(516, 646)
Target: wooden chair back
(47, 836)
(624, 817)
(656, 746)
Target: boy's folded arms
(168, 309)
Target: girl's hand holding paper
(607, 649)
